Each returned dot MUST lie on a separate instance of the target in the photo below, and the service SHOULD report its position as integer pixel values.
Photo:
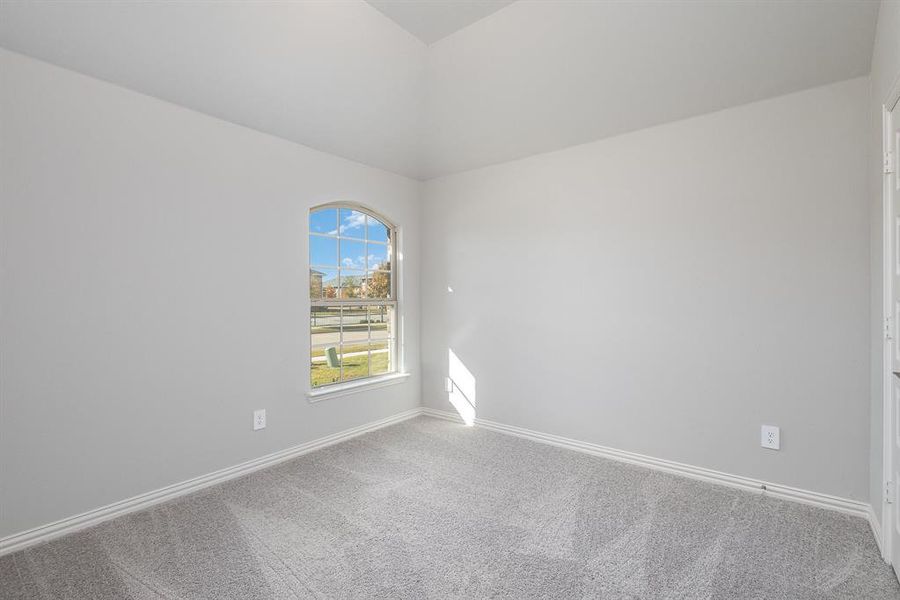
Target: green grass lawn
(354, 367)
(376, 345)
(355, 348)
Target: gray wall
(670, 290)
(885, 70)
(154, 292)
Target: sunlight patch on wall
(461, 388)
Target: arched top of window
(351, 252)
(350, 221)
(352, 294)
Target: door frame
(889, 331)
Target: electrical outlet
(259, 419)
(771, 437)
(448, 385)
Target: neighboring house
(375, 285)
(315, 283)
(352, 287)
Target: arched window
(352, 298)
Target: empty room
(449, 299)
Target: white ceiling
(431, 20)
(532, 77)
(336, 76)
(538, 76)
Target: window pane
(377, 230)
(319, 280)
(355, 323)
(378, 284)
(353, 224)
(315, 284)
(351, 284)
(377, 256)
(355, 361)
(330, 282)
(324, 221)
(322, 371)
(381, 325)
(380, 358)
(325, 325)
(323, 251)
(353, 254)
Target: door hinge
(889, 492)
(888, 334)
(888, 162)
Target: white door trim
(889, 340)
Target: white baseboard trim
(44, 533)
(843, 505)
(875, 525)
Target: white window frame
(397, 373)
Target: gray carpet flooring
(431, 509)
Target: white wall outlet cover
(448, 385)
(259, 419)
(770, 437)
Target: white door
(892, 187)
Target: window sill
(353, 387)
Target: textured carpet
(431, 509)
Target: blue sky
(352, 224)
(354, 253)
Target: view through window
(351, 289)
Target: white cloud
(359, 263)
(354, 221)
